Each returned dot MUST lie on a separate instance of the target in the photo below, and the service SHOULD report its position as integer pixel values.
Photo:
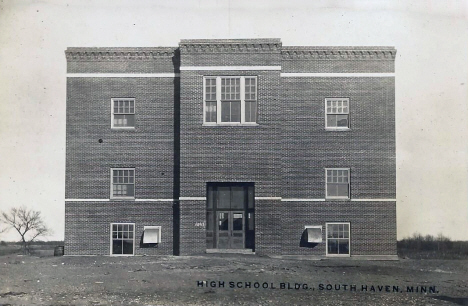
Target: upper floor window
(337, 183)
(122, 183)
(123, 113)
(230, 100)
(337, 113)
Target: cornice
(117, 54)
(337, 53)
(231, 46)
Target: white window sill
(123, 199)
(230, 124)
(337, 129)
(337, 199)
(338, 255)
(127, 128)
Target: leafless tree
(27, 222)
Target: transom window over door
(230, 100)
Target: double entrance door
(230, 216)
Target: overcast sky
(431, 38)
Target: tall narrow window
(250, 99)
(230, 100)
(123, 113)
(122, 183)
(337, 183)
(337, 113)
(210, 100)
(338, 239)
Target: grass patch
(430, 247)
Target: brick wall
(87, 225)
(149, 148)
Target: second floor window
(123, 113)
(230, 100)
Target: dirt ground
(237, 280)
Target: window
(123, 113)
(337, 112)
(122, 238)
(122, 183)
(337, 183)
(230, 100)
(338, 241)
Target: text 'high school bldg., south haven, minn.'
(231, 145)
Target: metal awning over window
(152, 234)
(314, 233)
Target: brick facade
(175, 155)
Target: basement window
(338, 239)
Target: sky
(431, 38)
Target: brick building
(231, 146)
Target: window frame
(349, 185)
(337, 128)
(111, 238)
(349, 239)
(243, 101)
(112, 114)
(112, 197)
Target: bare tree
(27, 222)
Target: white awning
(314, 233)
(152, 234)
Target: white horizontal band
(267, 198)
(123, 75)
(117, 200)
(192, 198)
(336, 75)
(303, 200)
(87, 200)
(232, 68)
(155, 200)
(373, 200)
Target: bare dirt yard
(217, 279)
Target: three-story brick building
(231, 145)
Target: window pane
(224, 197)
(342, 190)
(331, 190)
(225, 111)
(223, 221)
(250, 111)
(116, 247)
(237, 197)
(331, 120)
(332, 246)
(210, 115)
(130, 190)
(235, 111)
(237, 222)
(209, 200)
(127, 247)
(251, 197)
(343, 247)
(342, 120)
